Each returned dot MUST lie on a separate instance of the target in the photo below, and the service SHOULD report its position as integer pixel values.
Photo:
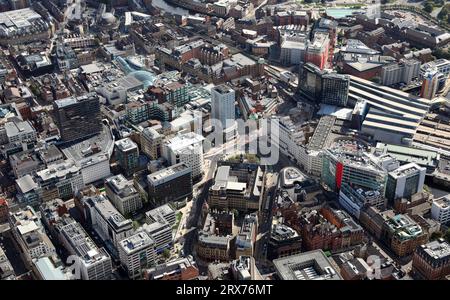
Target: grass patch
(178, 219)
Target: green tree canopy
(443, 13)
(428, 7)
(166, 253)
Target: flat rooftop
(438, 249)
(312, 265)
(62, 103)
(18, 21)
(136, 242)
(169, 173)
(126, 144)
(410, 154)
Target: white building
(123, 194)
(106, 220)
(223, 109)
(187, 148)
(20, 131)
(60, 180)
(92, 155)
(160, 230)
(354, 199)
(29, 233)
(442, 66)
(292, 143)
(136, 253)
(400, 72)
(151, 142)
(405, 181)
(164, 211)
(293, 51)
(440, 209)
(91, 262)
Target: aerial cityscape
(225, 140)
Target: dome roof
(108, 19)
(145, 77)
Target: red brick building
(432, 261)
(4, 211)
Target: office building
(442, 65)
(403, 234)
(78, 117)
(160, 230)
(170, 184)
(123, 194)
(183, 268)
(50, 154)
(175, 93)
(30, 235)
(223, 109)
(405, 181)
(321, 86)
(25, 162)
(246, 239)
(431, 261)
(116, 92)
(403, 72)
(27, 191)
(335, 89)
(353, 200)
(328, 229)
(216, 240)
(55, 215)
(284, 241)
(186, 148)
(346, 162)
(151, 143)
(104, 218)
(164, 211)
(293, 50)
(310, 82)
(430, 84)
(18, 131)
(60, 180)
(211, 247)
(94, 263)
(440, 209)
(317, 51)
(92, 156)
(22, 26)
(137, 252)
(237, 186)
(312, 265)
(127, 154)
(46, 268)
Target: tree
(443, 13)
(447, 235)
(436, 235)
(166, 253)
(428, 7)
(441, 53)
